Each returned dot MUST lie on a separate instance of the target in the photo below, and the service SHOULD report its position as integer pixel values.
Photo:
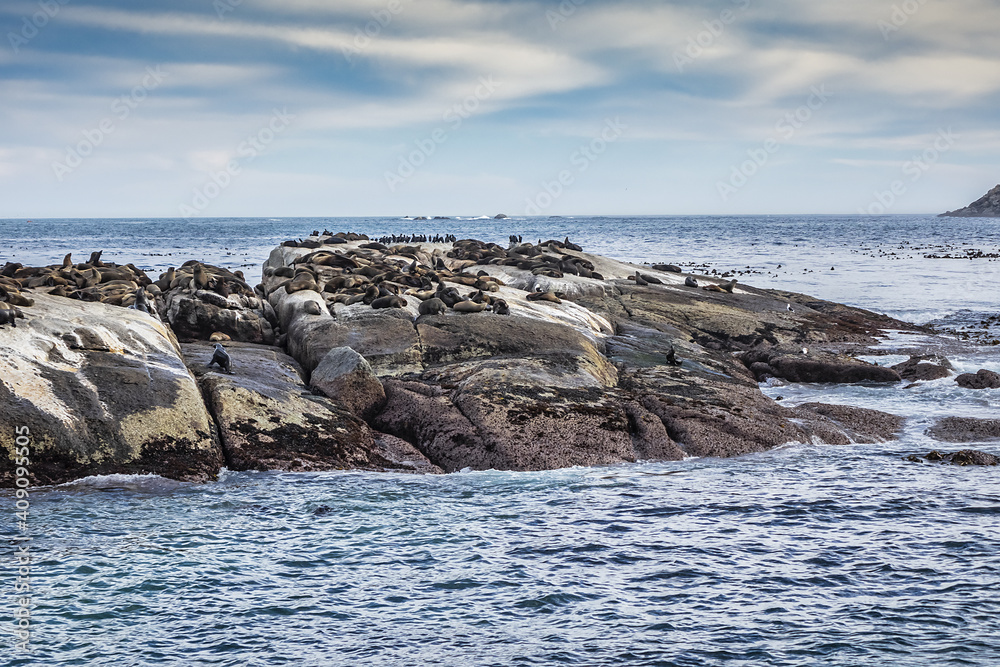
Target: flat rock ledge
(426, 357)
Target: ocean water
(806, 555)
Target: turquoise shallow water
(807, 555)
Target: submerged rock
(965, 457)
(965, 429)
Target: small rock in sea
(965, 457)
(981, 379)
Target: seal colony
(439, 279)
(414, 352)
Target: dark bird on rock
(222, 358)
(671, 358)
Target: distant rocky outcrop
(987, 206)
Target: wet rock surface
(965, 457)
(981, 379)
(965, 429)
(924, 368)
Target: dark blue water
(802, 556)
(807, 555)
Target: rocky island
(415, 355)
(987, 206)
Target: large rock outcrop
(269, 419)
(102, 389)
(438, 355)
(205, 302)
(588, 361)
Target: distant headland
(987, 206)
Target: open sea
(806, 555)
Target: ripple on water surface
(803, 555)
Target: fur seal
(432, 306)
(667, 267)
(218, 336)
(639, 280)
(200, 277)
(469, 307)
(304, 280)
(390, 301)
(543, 296)
(500, 307)
(690, 282)
(141, 303)
(713, 288)
(9, 315)
(729, 286)
(312, 308)
(222, 358)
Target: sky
(218, 108)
